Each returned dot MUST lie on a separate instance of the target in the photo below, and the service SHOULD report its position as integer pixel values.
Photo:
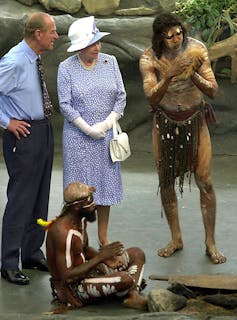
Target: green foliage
(226, 71)
(209, 17)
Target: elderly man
(79, 273)
(28, 144)
(176, 74)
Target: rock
(69, 6)
(14, 8)
(28, 2)
(227, 301)
(163, 300)
(141, 11)
(11, 30)
(182, 290)
(101, 7)
(153, 4)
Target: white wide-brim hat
(83, 33)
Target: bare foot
(170, 249)
(135, 301)
(215, 256)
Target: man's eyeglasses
(178, 32)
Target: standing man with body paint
(25, 111)
(176, 74)
(80, 274)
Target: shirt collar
(32, 56)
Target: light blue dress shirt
(20, 89)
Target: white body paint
(70, 234)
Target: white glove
(108, 122)
(91, 131)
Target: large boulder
(28, 2)
(168, 5)
(102, 7)
(69, 6)
(140, 11)
(105, 7)
(163, 300)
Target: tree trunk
(227, 47)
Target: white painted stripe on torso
(70, 234)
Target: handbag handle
(116, 128)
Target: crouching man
(80, 274)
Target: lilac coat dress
(91, 94)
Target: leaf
(226, 71)
(211, 22)
(209, 14)
(206, 34)
(198, 25)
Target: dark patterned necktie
(48, 108)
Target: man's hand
(169, 69)
(115, 263)
(111, 251)
(19, 128)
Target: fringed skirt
(178, 145)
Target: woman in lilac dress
(91, 96)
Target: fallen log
(216, 281)
(225, 48)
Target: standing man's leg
(35, 234)
(207, 195)
(169, 203)
(21, 193)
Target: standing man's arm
(8, 83)
(19, 128)
(204, 77)
(157, 75)
(154, 90)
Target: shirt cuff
(4, 121)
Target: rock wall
(103, 7)
(130, 35)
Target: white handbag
(119, 145)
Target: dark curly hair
(163, 21)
